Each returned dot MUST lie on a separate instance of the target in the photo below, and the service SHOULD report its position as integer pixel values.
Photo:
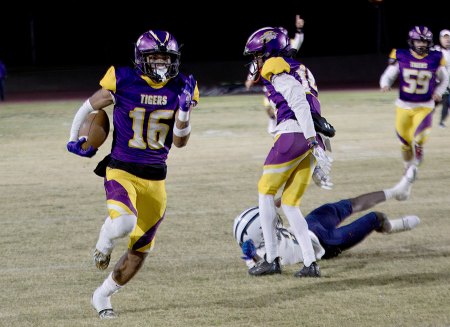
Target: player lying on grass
(328, 238)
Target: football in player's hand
(95, 129)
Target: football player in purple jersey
(423, 79)
(253, 76)
(152, 105)
(297, 149)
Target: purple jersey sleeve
(302, 74)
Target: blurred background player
(328, 239)
(152, 105)
(423, 79)
(297, 150)
(444, 40)
(252, 77)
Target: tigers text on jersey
(417, 74)
(144, 115)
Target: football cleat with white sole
(101, 260)
(102, 305)
(107, 314)
(404, 224)
(403, 188)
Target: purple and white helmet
(267, 42)
(420, 33)
(157, 42)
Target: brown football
(95, 128)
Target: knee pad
(122, 225)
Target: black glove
(321, 125)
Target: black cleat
(311, 271)
(265, 268)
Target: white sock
(267, 214)
(407, 164)
(389, 193)
(101, 299)
(300, 228)
(113, 229)
(109, 287)
(399, 188)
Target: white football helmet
(248, 226)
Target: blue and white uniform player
(325, 224)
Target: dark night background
(82, 35)
(75, 35)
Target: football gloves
(321, 179)
(185, 98)
(321, 125)
(75, 147)
(323, 161)
(249, 250)
(321, 174)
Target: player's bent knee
(124, 224)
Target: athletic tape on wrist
(181, 132)
(183, 116)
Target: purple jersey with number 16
(143, 115)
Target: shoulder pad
(274, 66)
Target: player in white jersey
(328, 238)
(444, 40)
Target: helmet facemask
(159, 66)
(157, 55)
(420, 33)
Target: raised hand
(185, 98)
(75, 147)
(299, 22)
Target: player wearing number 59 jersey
(423, 79)
(152, 106)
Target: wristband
(181, 132)
(312, 143)
(183, 116)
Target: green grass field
(53, 206)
